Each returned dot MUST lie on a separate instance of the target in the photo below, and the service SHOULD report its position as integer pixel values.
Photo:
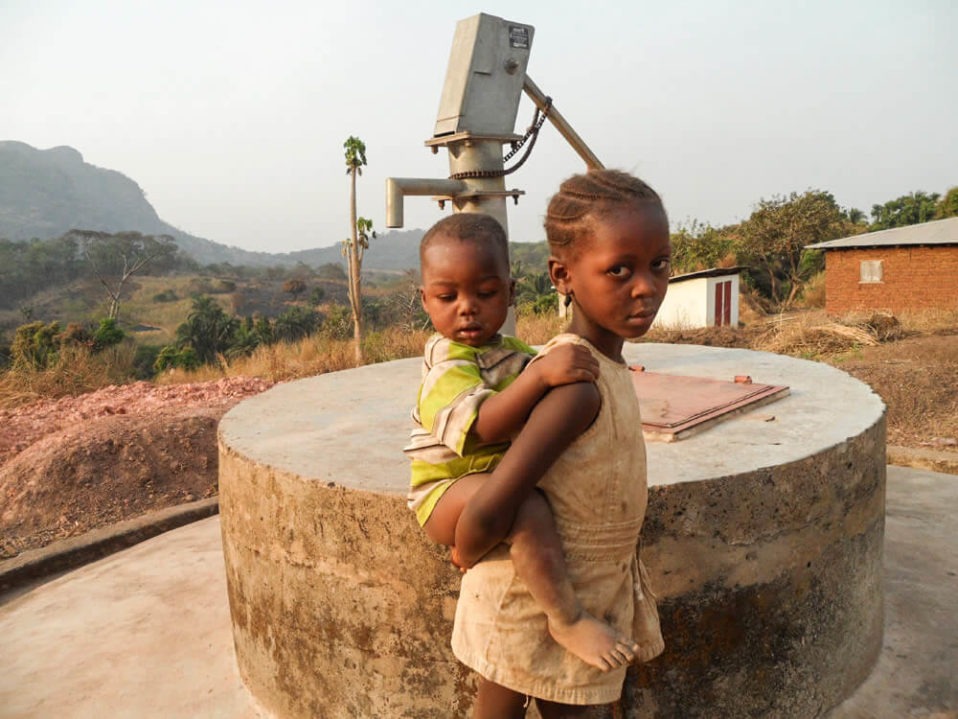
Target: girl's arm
(555, 422)
(504, 413)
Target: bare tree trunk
(355, 296)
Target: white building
(708, 298)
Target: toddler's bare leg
(536, 552)
(496, 702)
(552, 710)
(441, 525)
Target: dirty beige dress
(598, 492)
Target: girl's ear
(559, 274)
(422, 297)
(512, 291)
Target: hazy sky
(232, 115)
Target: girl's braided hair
(590, 196)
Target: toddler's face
(466, 289)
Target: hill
(45, 193)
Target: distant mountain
(394, 251)
(45, 193)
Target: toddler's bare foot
(594, 642)
(456, 559)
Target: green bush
(144, 361)
(108, 334)
(35, 346)
(338, 324)
(295, 324)
(171, 357)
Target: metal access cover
(674, 407)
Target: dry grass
(77, 371)
(314, 355)
(539, 329)
(910, 361)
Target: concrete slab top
(348, 428)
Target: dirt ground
(75, 464)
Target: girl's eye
(446, 298)
(662, 265)
(619, 271)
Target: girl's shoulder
(568, 338)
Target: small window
(871, 271)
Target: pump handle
(565, 129)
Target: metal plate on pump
(674, 407)
(487, 67)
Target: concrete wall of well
(763, 539)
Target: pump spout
(399, 187)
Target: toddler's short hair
(468, 227)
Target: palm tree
(358, 240)
(208, 330)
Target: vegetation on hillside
(63, 328)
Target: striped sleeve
(451, 392)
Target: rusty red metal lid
(675, 406)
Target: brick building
(904, 269)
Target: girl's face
(617, 276)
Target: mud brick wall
(913, 279)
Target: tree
(29, 267)
(294, 287)
(535, 293)
(948, 205)
(115, 258)
(35, 346)
(855, 216)
(356, 244)
(701, 247)
(295, 324)
(208, 330)
(774, 237)
(330, 271)
(910, 209)
(317, 296)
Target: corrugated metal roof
(939, 232)
(713, 272)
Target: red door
(723, 303)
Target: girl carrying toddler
(582, 448)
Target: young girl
(582, 445)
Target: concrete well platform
(764, 540)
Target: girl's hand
(565, 364)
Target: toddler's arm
(501, 415)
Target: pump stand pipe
(565, 129)
(398, 187)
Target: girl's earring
(568, 300)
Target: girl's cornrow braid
(570, 216)
(587, 196)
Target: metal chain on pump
(532, 133)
